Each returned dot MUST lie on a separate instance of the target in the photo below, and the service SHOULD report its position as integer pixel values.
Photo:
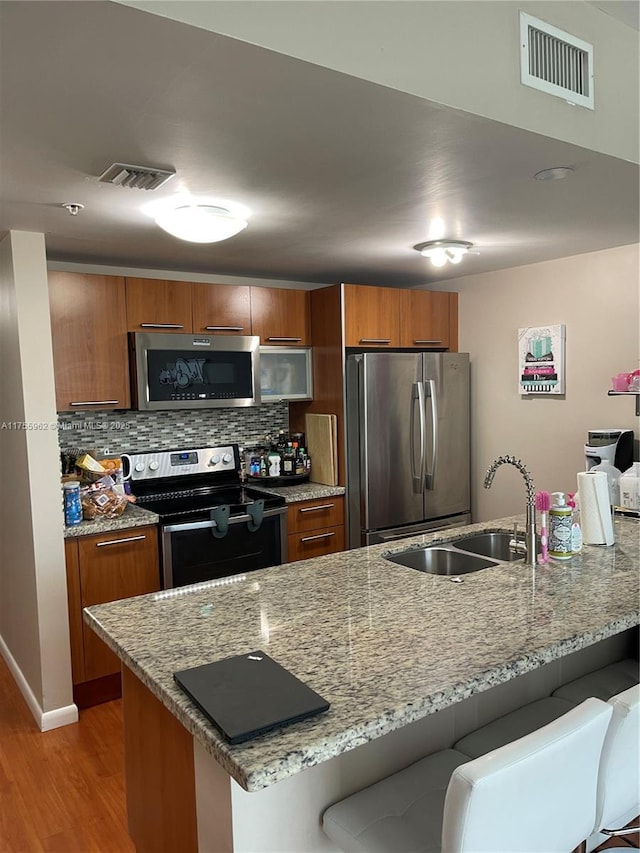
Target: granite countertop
(133, 516)
(302, 492)
(384, 644)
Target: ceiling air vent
(136, 177)
(555, 62)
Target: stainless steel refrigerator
(407, 428)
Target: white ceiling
(342, 176)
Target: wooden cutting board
(321, 434)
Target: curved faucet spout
(531, 499)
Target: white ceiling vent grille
(136, 177)
(555, 62)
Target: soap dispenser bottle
(560, 518)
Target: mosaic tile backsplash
(131, 432)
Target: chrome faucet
(530, 530)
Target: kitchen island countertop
(384, 644)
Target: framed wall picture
(541, 359)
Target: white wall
(34, 632)
(464, 54)
(596, 297)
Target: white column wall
(34, 631)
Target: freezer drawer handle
(427, 342)
(120, 541)
(224, 328)
(318, 536)
(316, 508)
(375, 340)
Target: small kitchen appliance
(609, 445)
(211, 525)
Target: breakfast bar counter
(409, 662)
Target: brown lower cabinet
(103, 568)
(316, 527)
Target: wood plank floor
(63, 791)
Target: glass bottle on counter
(300, 461)
(289, 461)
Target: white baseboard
(46, 720)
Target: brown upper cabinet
(89, 336)
(158, 305)
(393, 317)
(221, 309)
(280, 317)
(425, 319)
(371, 316)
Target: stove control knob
(154, 465)
(139, 466)
(214, 459)
(226, 458)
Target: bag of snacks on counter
(99, 500)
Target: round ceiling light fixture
(200, 223)
(442, 251)
(557, 173)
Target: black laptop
(247, 695)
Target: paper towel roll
(595, 509)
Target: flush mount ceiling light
(441, 251)
(555, 174)
(200, 223)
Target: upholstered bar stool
(602, 683)
(537, 793)
(619, 774)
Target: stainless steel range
(211, 525)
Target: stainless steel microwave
(194, 371)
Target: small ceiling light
(441, 251)
(74, 207)
(200, 223)
(555, 174)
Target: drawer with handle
(315, 514)
(304, 546)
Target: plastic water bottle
(72, 505)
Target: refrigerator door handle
(417, 472)
(430, 475)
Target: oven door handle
(203, 525)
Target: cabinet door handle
(427, 342)
(162, 325)
(224, 328)
(284, 339)
(375, 340)
(316, 508)
(96, 403)
(318, 536)
(120, 541)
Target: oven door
(191, 554)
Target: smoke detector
(136, 177)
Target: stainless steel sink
(441, 561)
(496, 545)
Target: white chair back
(619, 778)
(537, 793)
